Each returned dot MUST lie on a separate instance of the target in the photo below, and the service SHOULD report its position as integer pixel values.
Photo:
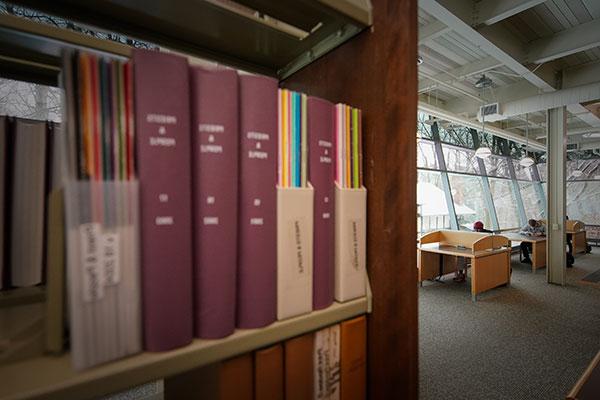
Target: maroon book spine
(257, 256)
(321, 153)
(215, 143)
(162, 123)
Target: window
(426, 154)
(432, 208)
(541, 167)
(522, 173)
(496, 166)
(469, 203)
(532, 202)
(29, 100)
(582, 201)
(505, 202)
(590, 169)
(460, 159)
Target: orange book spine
(268, 373)
(353, 359)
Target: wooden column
(377, 72)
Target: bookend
(103, 270)
(350, 243)
(295, 207)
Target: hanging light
(526, 161)
(483, 151)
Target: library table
(490, 268)
(538, 248)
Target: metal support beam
(556, 235)
(516, 191)
(489, 12)
(570, 41)
(539, 190)
(444, 173)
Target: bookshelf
(22, 296)
(54, 378)
(294, 33)
(374, 69)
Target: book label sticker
(297, 232)
(90, 239)
(111, 257)
(354, 226)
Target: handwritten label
(297, 231)
(111, 257)
(353, 240)
(91, 262)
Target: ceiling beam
(448, 14)
(545, 101)
(448, 116)
(570, 41)
(488, 12)
(431, 31)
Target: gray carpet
(531, 340)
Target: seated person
(461, 272)
(478, 227)
(533, 228)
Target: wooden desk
(538, 244)
(489, 268)
(588, 386)
(579, 241)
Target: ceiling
(538, 54)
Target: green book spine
(355, 162)
(304, 140)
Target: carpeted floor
(531, 340)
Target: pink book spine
(215, 141)
(321, 135)
(162, 124)
(257, 250)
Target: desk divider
(350, 243)
(295, 208)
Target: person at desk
(461, 262)
(478, 227)
(533, 228)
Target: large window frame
(512, 173)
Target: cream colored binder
(350, 243)
(294, 251)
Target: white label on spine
(297, 231)
(91, 262)
(353, 229)
(111, 257)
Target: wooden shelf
(54, 378)
(22, 296)
(275, 38)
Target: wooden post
(377, 71)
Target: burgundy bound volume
(162, 123)
(257, 256)
(321, 153)
(215, 141)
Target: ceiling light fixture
(483, 151)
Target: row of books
(99, 96)
(26, 177)
(292, 137)
(348, 146)
(175, 227)
(329, 364)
